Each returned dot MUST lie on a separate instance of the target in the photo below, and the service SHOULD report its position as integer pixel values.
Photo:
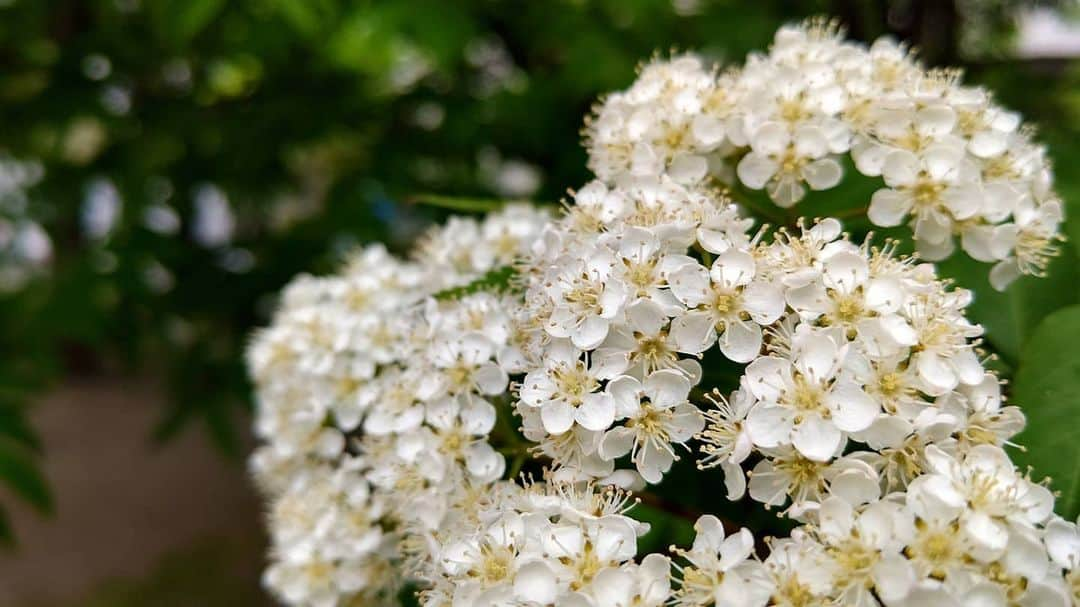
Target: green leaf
(20, 473)
(1047, 388)
(499, 279)
(306, 16)
(182, 20)
(455, 203)
(13, 425)
(665, 529)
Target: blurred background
(167, 165)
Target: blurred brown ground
(135, 523)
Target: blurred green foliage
(321, 121)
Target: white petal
(771, 138)
(686, 421)
(693, 332)
(558, 417)
(888, 208)
(616, 443)
(893, 577)
(884, 295)
(755, 170)
(901, 168)
(645, 317)
(734, 480)
(835, 519)
(816, 355)
(490, 379)
(478, 416)
(987, 144)
(688, 169)
(666, 388)
(626, 392)
(846, 271)
(596, 413)
(1004, 273)
(852, 409)
(935, 120)
(535, 582)
(707, 129)
(936, 372)
(590, 333)
(964, 201)
(769, 425)
(989, 536)
(741, 341)
(484, 463)
(786, 190)
(816, 438)
(733, 268)
(822, 174)
(653, 461)
(810, 142)
(767, 377)
(690, 283)
(764, 302)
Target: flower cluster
(547, 544)
(954, 163)
(375, 404)
(594, 346)
(616, 313)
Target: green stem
(518, 463)
(854, 213)
(706, 257)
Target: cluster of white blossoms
(546, 543)
(374, 401)
(953, 163)
(594, 347)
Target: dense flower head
(369, 376)
(954, 165)
(398, 401)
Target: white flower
(653, 426)
(1063, 543)
(943, 356)
(643, 267)
(983, 493)
(721, 570)
(785, 473)
(643, 344)
(865, 547)
(799, 572)
(586, 296)
(463, 364)
(864, 304)
(726, 440)
(805, 401)
(938, 188)
(645, 585)
(725, 301)
(568, 389)
(781, 161)
(579, 551)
